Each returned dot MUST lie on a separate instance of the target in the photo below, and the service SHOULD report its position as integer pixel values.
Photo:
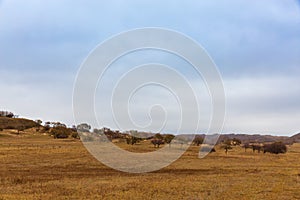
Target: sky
(255, 45)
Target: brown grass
(16, 123)
(39, 167)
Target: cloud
(263, 104)
(37, 96)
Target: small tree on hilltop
(39, 121)
(47, 126)
(84, 127)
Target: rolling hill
(16, 123)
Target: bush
(60, 132)
(168, 138)
(236, 141)
(157, 142)
(198, 140)
(47, 127)
(276, 148)
(227, 147)
(132, 140)
(6, 114)
(75, 135)
(10, 127)
(208, 149)
(60, 135)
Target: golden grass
(39, 167)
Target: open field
(39, 167)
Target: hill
(21, 123)
(296, 137)
(16, 123)
(245, 138)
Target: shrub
(75, 135)
(157, 142)
(60, 132)
(276, 148)
(208, 149)
(158, 136)
(60, 135)
(198, 140)
(47, 127)
(168, 138)
(132, 140)
(10, 127)
(227, 147)
(6, 114)
(236, 141)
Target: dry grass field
(39, 167)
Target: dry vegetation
(18, 123)
(35, 166)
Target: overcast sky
(255, 44)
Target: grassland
(40, 167)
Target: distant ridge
(245, 138)
(296, 137)
(21, 123)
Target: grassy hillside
(16, 123)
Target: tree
(168, 138)
(158, 136)
(73, 128)
(75, 135)
(257, 147)
(157, 142)
(39, 121)
(6, 114)
(60, 132)
(208, 149)
(275, 148)
(84, 127)
(227, 147)
(58, 124)
(198, 140)
(247, 146)
(47, 126)
(98, 131)
(10, 115)
(236, 141)
(132, 140)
